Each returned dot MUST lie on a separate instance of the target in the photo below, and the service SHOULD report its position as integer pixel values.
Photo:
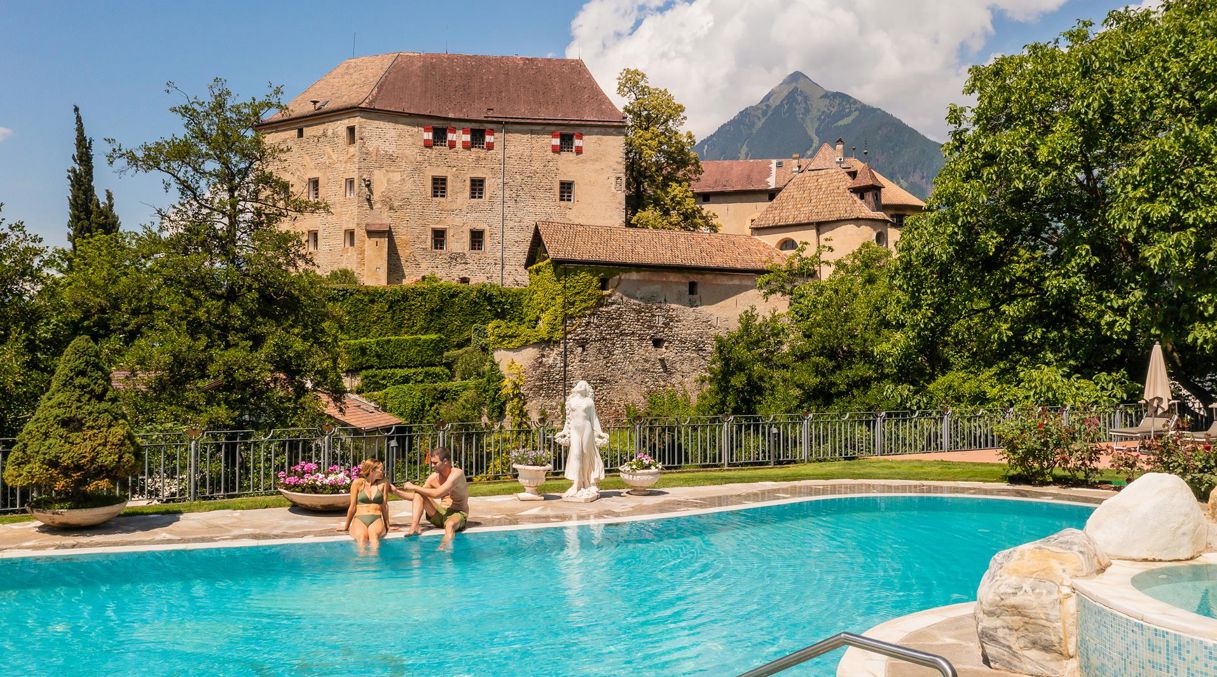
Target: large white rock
(1026, 609)
(1155, 518)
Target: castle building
(442, 164)
(828, 199)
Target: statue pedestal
(524, 496)
(585, 495)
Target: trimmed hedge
(393, 352)
(419, 402)
(371, 380)
(425, 307)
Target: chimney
(794, 163)
(840, 150)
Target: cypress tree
(79, 440)
(87, 215)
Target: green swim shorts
(441, 515)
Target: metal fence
(222, 464)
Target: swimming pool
(714, 593)
(1191, 587)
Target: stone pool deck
(948, 631)
(244, 526)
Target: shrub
(1194, 461)
(79, 440)
(393, 352)
(1037, 441)
(419, 402)
(551, 295)
(372, 380)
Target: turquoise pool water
(1192, 587)
(715, 593)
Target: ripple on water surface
(713, 594)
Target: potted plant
(76, 446)
(309, 486)
(531, 466)
(640, 474)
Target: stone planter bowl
(532, 477)
(639, 481)
(318, 502)
(77, 518)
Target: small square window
(463, 280)
(566, 143)
(692, 288)
(351, 135)
(771, 196)
(300, 132)
(477, 240)
(439, 186)
(349, 187)
(566, 191)
(477, 138)
(604, 284)
(705, 197)
(439, 239)
(312, 240)
(348, 237)
(477, 188)
(314, 189)
(439, 137)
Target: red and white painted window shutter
(578, 143)
(555, 142)
(452, 137)
(489, 139)
(466, 138)
(427, 140)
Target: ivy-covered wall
(449, 309)
(552, 293)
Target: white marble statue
(582, 435)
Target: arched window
(881, 239)
(788, 245)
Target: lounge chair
(1201, 436)
(1149, 427)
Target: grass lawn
(861, 469)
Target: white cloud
(5, 132)
(718, 56)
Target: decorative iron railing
(194, 465)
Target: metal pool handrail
(841, 639)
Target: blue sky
(113, 59)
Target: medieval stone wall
(648, 335)
(393, 170)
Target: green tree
(87, 216)
(24, 324)
(660, 164)
(1074, 221)
(746, 365)
(223, 324)
(79, 440)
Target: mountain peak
(798, 116)
(795, 81)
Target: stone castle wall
(392, 170)
(648, 335)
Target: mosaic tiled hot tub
(1122, 632)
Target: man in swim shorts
(443, 498)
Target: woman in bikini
(368, 514)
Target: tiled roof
(460, 87)
(815, 197)
(645, 248)
(865, 179)
(893, 194)
(725, 176)
(358, 413)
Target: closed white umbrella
(1157, 385)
